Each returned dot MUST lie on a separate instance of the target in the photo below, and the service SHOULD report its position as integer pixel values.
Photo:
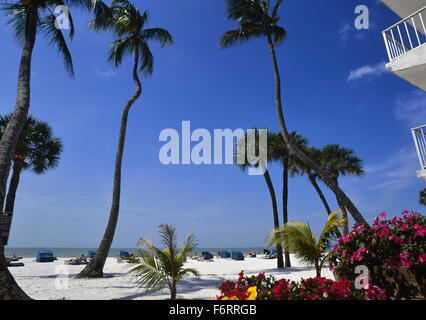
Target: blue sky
(335, 90)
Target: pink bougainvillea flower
(357, 256)
(383, 214)
(422, 258)
(420, 231)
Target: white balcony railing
(419, 136)
(404, 36)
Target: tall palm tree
(300, 239)
(157, 268)
(28, 18)
(242, 151)
(128, 26)
(338, 161)
(258, 19)
(280, 152)
(37, 150)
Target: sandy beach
(52, 281)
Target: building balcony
(419, 136)
(406, 45)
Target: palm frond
(279, 34)
(334, 221)
(276, 8)
(158, 34)
(148, 273)
(57, 39)
(146, 59)
(17, 16)
(245, 10)
(239, 36)
(119, 49)
(297, 237)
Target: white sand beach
(48, 281)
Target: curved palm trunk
(13, 186)
(320, 194)
(287, 261)
(9, 140)
(280, 262)
(322, 197)
(302, 156)
(345, 226)
(95, 267)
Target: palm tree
(128, 25)
(299, 167)
(281, 153)
(28, 18)
(300, 239)
(157, 268)
(339, 161)
(258, 19)
(37, 150)
(242, 151)
(422, 198)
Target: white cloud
(343, 32)
(105, 74)
(411, 108)
(368, 71)
(396, 172)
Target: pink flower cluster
(357, 255)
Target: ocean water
(77, 252)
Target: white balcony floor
(411, 66)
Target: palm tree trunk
(287, 262)
(322, 197)
(13, 186)
(280, 262)
(10, 138)
(298, 153)
(320, 194)
(318, 269)
(95, 267)
(173, 291)
(345, 225)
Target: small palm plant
(157, 268)
(298, 237)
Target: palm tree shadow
(184, 287)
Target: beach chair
(207, 255)
(266, 251)
(91, 254)
(15, 264)
(45, 256)
(237, 255)
(124, 254)
(225, 254)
